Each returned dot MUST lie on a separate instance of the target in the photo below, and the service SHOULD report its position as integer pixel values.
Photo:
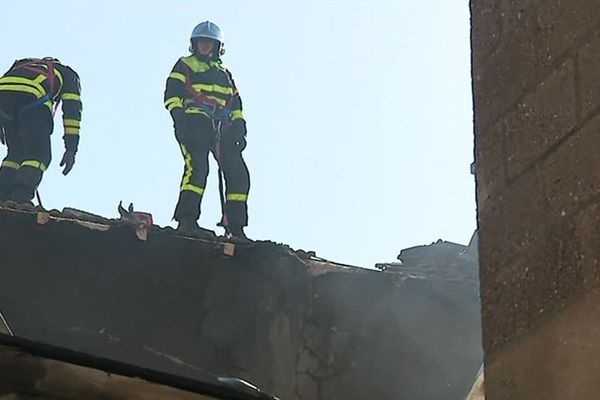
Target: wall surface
(297, 327)
(536, 80)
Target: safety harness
(222, 116)
(219, 113)
(49, 73)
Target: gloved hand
(68, 160)
(237, 134)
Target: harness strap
(36, 103)
(50, 75)
(49, 72)
(221, 114)
(211, 106)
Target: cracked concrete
(297, 327)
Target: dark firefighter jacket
(192, 80)
(48, 82)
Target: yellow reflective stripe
(10, 164)
(237, 114)
(172, 106)
(222, 89)
(17, 80)
(39, 79)
(34, 164)
(71, 96)
(203, 87)
(237, 197)
(177, 75)
(218, 100)
(71, 131)
(192, 188)
(189, 170)
(176, 101)
(173, 102)
(195, 64)
(42, 77)
(23, 81)
(21, 88)
(194, 110)
(209, 87)
(73, 123)
(61, 81)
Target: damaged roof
(439, 260)
(293, 324)
(38, 369)
(96, 222)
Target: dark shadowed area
(295, 325)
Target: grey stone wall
(536, 81)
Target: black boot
(22, 195)
(7, 185)
(237, 233)
(188, 226)
(191, 228)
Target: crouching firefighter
(29, 95)
(207, 113)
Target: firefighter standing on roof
(207, 113)
(29, 94)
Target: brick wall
(536, 82)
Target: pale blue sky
(359, 114)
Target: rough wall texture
(536, 79)
(296, 327)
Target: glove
(68, 160)
(237, 134)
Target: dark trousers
(196, 142)
(28, 142)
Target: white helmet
(208, 30)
